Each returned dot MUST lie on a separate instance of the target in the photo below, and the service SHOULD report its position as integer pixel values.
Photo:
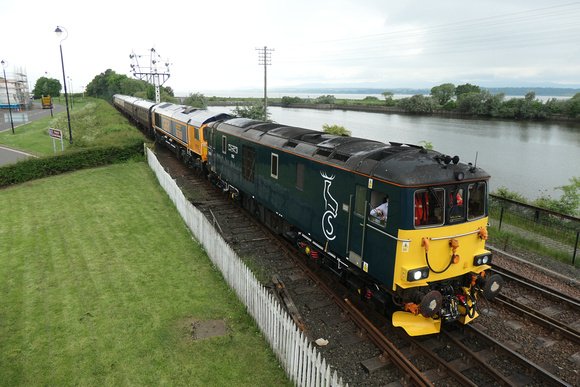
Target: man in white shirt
(382, 210)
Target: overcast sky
(211, 44)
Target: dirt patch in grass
(199, 330)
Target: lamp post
(4, 65)
(72, 94)
(58, 33)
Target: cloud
(212, 45)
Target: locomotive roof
(126, 98)
(144, 103)
(189, 115)
(404, 164)
(136, 101)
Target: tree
(106, 84)
(336, 129)
(254, 112)
(47, 86)
(287, 101)
(569, 203)
(169, 91)
(131, 86)
(325, 99)
(443, 93)
(527, 105)
(570, 200)
(467, 88)
(109, 83)
(417, 104)
(470, 103)
(196, 100)
(492, 103)
(388, 97)
(572, 106)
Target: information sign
(56, 134)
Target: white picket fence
(302, 362)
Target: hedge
(38, 168)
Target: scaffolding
(17, 85)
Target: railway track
(355, 343)
(539, 304)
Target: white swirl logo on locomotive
(331, 206)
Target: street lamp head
(58, 32)
(4, 64)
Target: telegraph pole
(265, 58)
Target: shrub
(336, 129)
(38, 168)
(197, 100)
(287, 101)
(325, 99)
(450, 105)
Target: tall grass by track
(94, 123)
(100, 282)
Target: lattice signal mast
(150, 74)
(265, 58)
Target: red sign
(55, 133)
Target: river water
(531, 158)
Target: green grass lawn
(100, 281)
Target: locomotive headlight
(418, 274)
(482, 259)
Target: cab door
(358, 208)
(209, 137)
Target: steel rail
(412, 374)
(572, 301)
(545, 375)
(564, 330)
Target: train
(402, 226)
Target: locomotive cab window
(274, 168)
(429, 207)
(455, 205)
(379, 208)
(476, 198)
(224, 145)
